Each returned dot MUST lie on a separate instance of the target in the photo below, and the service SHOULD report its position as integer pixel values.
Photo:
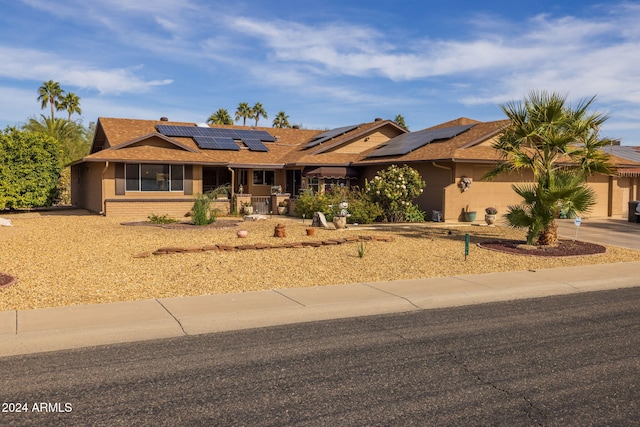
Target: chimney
(164, 119)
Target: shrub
(161, 219)
(361, 209)
(394, 190)
(202, 213)
(30, 166)
(414, 214)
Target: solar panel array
(408, 142)
(219, 139)
(213, 143)
(325, 136)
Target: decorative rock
(254, 217)
(143, 255)
(319, 220)
(242, 233)
(5, 222)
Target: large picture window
(154, 177)
(264, 177)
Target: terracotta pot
(311, 231)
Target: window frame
(172, 181)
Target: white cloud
(35, 65)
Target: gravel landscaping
(71, 257)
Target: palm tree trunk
(549, 235)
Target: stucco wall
(86, 186)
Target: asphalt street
(564, 360)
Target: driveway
(606, 231)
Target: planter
(340, 222)
(248, 210)
(470, 216)
(490, 219)
(282, 210)
(311, 231)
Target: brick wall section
(142, 209)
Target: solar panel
(325, 136)
(254, 144)
(219, 138)
(226, 143)
(408, 142)
(179, 131)
(211, 143)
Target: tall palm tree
(220, 117)
(257, 111)
(244, 112)
(50, 93)
(552, 139)
(71, 103)
(281, 120)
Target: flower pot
(282, 210)
(470, 216)
(311, 231)
(490, 219)
(340, 222)
(248, 210)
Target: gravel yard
(71, 257)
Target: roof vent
(295, 127)
(377, 119)
(164, 119)
(202, 125)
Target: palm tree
(281, 120)
(71, 103)
(220, 117)
(244, 112)
(555, 142)
(257, 111)
(50, 93)
(399, 120)
(73, 138)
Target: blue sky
(326, 64)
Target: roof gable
(153, 139)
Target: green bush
(202, 212)
(414, 214)
(161, 219)
(394, 190)
(361, 209)
(29, 169)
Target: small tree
(29, 169)
(561, 146)
(394, 190)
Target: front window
(153, 177)
(264, 177)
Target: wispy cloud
(36, 65)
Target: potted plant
(247, 208)
(490, 215)
(469, 216)
(283, 207)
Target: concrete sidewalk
(50, 329)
